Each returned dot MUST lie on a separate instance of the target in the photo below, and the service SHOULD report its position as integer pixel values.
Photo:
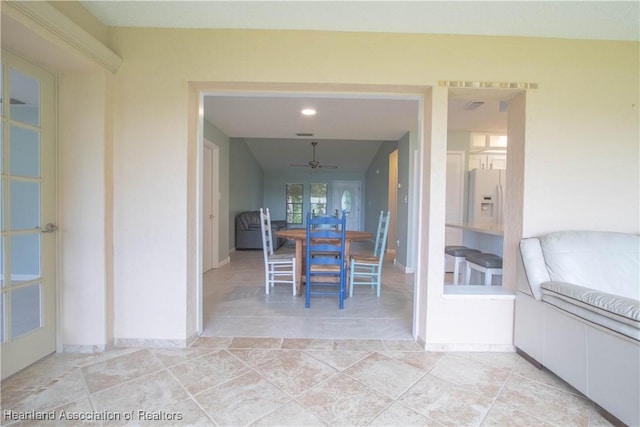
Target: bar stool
(489, 264)
(458, 253)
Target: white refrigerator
(486, 196)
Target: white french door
(27, 215)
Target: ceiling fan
(314, 164)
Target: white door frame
(418, 93)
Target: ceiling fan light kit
(314, 164)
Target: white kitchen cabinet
(488, 161)
(487, 151)
(482, 141)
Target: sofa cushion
(592, 317)
(618, 308)
(604, 261)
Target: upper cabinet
(487, 151)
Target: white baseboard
(149, 342)
(496, 348)
(405, 270)
(73, 348)
(225, 261)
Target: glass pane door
(27, 330)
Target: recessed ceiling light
(309, 112)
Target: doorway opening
(484, 149)
(413, 95)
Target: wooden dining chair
(278, 268)
(325, 275)
(367, 269)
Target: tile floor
(235, 304)
(278, 377)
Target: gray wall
(245, 183)
(377, 184)
(275, 188)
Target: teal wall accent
(245, 183)
(377, 186)
(275, 188)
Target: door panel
(210, 202)
(28, 302)
(346, 196)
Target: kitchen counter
(492, 229)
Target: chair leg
(266, 279)
(351, 279)
(456, 269)
(487, 278)
(467, 277)
(293, 276)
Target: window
(295, 199)
(319, 199)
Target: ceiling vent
(473, 105)
(304, 134)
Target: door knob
(49, 228)
(212, 216)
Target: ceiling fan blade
(314, 164)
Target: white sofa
(578, 314)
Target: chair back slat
(278, 269)
(367, 270)
(265, 227)
(325, 258)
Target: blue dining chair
(325, 275)
(367, 269)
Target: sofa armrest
(534, 265)
(279, 224)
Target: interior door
(28, 257)
(393, 200)
(346, 197)
(210, 204)
(454, 202)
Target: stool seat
(489, 264)
(458, 253)
(459, 250)
(484, 260)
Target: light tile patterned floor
(238, 381)
(235, 304)
(266, 361)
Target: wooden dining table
(300, 236)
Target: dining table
(300, 237)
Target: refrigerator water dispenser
(486, 207)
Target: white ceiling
(605, 20)
(349, 130)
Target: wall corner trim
(55, 22)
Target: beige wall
(86, 298)
(581, 136)
(580, 156)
